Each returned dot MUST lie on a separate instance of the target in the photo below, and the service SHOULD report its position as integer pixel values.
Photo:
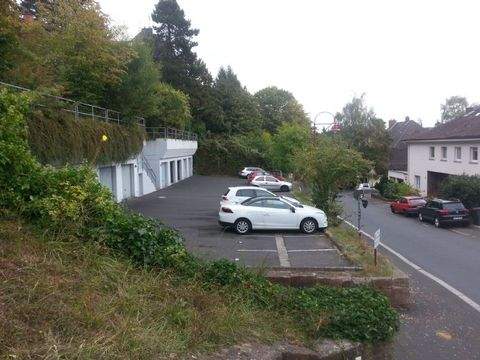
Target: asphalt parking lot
(191, 206)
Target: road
(444, 265)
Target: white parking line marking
(253, 250)
(311, 250)
(459, 232)
(282, 252)
(439, 281)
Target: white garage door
(164, 175)
(107, 177)
(127, 181)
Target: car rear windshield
(417, 202)
(453, 206)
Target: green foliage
(363, 131)
(18, 169)
(454, 106)
(56, 137)
(393, 190)
(278, 106)
(9, 26)
(173, 108)
(137, 94)
(464, 187)
(288, 141)
(240, 109)
(328, 165)
(221, 155)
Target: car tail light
(227, 210)
(443, 212)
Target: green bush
(393, 190)
(70, 202)
(465, 188)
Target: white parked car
(238, 194)
(271, 213)
(247, 170)
(364, 186)
(271, 183)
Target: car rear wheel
(420, 217)
(437, 223)
(308, 226)
(242, 226)
(284, 188)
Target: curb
(322, 350)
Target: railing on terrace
(80, 109)
(169, 133)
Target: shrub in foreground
(70, 202)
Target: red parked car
(407, 205)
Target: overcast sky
(406, 56)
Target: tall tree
(454, 106)
(240, 109)
(363, 131)
(181, 68)
(278, 106)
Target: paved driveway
(191, 206)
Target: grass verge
(354, 247)
(71, 299)
(360, 252)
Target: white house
(166, 158)
(447, 149)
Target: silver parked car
(271, 183)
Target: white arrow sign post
(376, 242)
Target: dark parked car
(407, 205)
(442, 212)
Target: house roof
(463, 127)
(402, 130)
(398, 132)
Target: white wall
(156, 153)
(419, 162)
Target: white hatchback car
(238, 194)
(271, 213)
(271, 183)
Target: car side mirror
(292, 209)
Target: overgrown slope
(74, 300)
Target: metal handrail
(83, 109)
(150, 171)
(162, 132)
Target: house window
(444, 153)
(458, 153)
(474, 154)
(432, 152)
(417, 181)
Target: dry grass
(74, 300)
(359, 251)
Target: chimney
(407, 118)
(391, 123)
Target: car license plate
(457, 218)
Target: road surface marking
(459, 232)
(253, 250)
(282, 252)
(439, 281)
(311, 250)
